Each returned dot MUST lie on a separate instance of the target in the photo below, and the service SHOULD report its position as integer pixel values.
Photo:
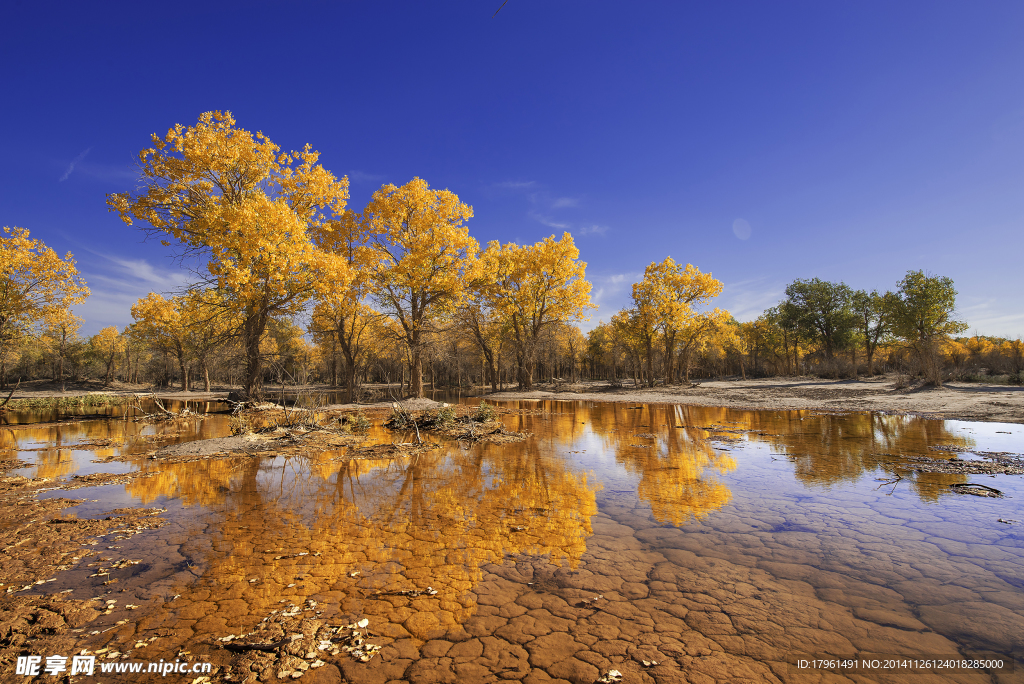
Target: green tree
(874, 313)
(823, 310)
(923, 316)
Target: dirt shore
(955, 400)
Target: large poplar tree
(247, 208)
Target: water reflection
(756, 534)
(60, 450)
(402, 539)
(677, 450)
(827, 449)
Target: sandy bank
(956, 400)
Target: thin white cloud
(594, 229)
(116, 283)
(363, 177)
(109, 173)
(549, 222)
(515, 185)
(610, 293)
(747, 299)
(140, 269)
(563, 202)
(989, 317)
(71, 166)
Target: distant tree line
(295, 288)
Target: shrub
(484, 413)
(902, 382)
(239, 424)
(360, 423)
(443, 417)
(399, 419)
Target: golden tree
(159, 321)
(628, 336)
(532, 287)
(35, 285)
(340, 311)
(664, 301)
(573, 344)
(692, 337)
(106, 345)
(1013, 350)
(236, 200)
(487, 331)
(421, 254)
(60, 330)
(208, 322)
(189, 326)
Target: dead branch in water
(9, 395)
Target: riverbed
(667, 543)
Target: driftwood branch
(9, 395)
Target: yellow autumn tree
(35, 284)
(208, 321)
(347, 322)
(572, 344)
(628, 337)
(340, 312)
(248, 208)
(107, 344)
(60, 330)
(1013, 351)
(188, 326)
(159, 321)
(665, 301)
(422, 253)
(531, 287)
(487, 331)
(692, 337)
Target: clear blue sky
(844, 140)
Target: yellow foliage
(420, 252)
(36, 285)
(667, 294)
(532, 286)
(249, 208)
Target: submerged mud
(669, 544)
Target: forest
(290, 286)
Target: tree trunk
(252, 330)
(649, 348)
(184, 374)
(110, 367)
(670, 343)
(350, 383)
(206, 375)
(416, 375)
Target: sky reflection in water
(663, 505)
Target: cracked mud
(720, 548)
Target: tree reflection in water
(403, 539)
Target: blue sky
(760, 141)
